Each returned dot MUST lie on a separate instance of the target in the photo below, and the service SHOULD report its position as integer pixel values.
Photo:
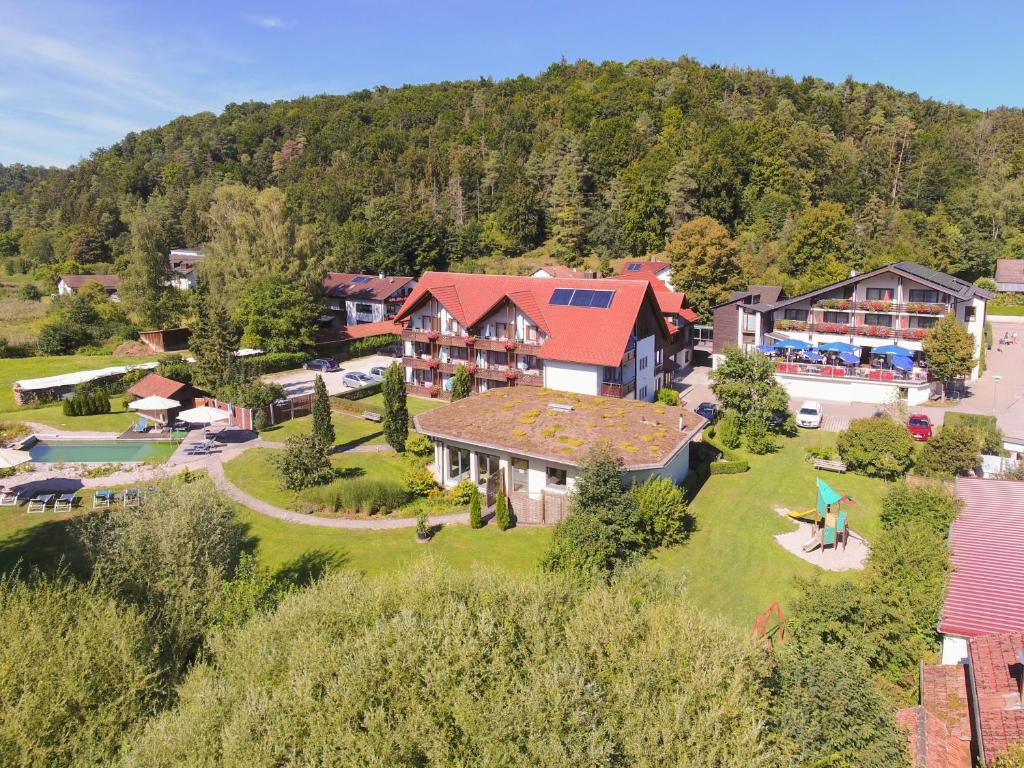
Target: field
(1014, 310)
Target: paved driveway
(301, 382)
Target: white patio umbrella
(12, 458)
(204, 414)
(154, 403)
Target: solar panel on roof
(361, 279)
(634, 267)
(581, 298)
(602, 299)
(561, 296)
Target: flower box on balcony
(510, 346)
(433, 335)
(470, 341)
(435, 391)
(877, 306)
(434, 364)
(919, 308)
(877, 331)
(840, 328)
(914, 333)
(511, 375)
(791, 325)
(835, 304)
(471, 369)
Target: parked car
(356, 379)
(809, 415)
(920, 427)
(322, 364)
(708, 410)
(377, 372)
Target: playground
(823, 536)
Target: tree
(460, 383)
(745, 383)
(304, 463)
(668, 396)
(661, 506)
(323, 426)
(502, 513)
(144, 290)
(818, 246)
(395, 420)
(949, 348)
(474, 510)
(213, 343)
(568, 208)
(704, 263)
(931, 505)
(954, 450)
(582, 546)
(277, 315)
(877, 447)
(729, 430)
(78, 670)
(169, 556)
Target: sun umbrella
(903, 363)
(848, 358)
(814, 357)
(766, 348)
(792, 344)
(12, 458)
(154, 403)
(204, 414)
(892, 349)
(838, 346)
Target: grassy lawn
(732, 564)
(1016, 310)
(416, 405)
(118, 420)
(347, 429)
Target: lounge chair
(102, 499)
(9, 498)
(64, 502)
(40, 502)
(131, 497)
(140, 426)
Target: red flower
(510, 345)
(433, 363)
(471, 369)
(511, 375)
(470, 341)
(432, 335)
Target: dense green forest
(583, 162)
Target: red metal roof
(985, 594)
(658, 285)
(340, 285)
(645, 266)
(574, 334)
(994, 664)
(360, 331)
(156, 385)
(108, 282)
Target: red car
(920, 426)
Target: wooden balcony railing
(434, 392)
(880, 307)
(852, 329)
(415, 363)
(617, 390)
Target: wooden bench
(830, 464)
(371, 416)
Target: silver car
(377, 372)
(356, 379)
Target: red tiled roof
(1010, 270)
(560, 270)
(108, 282)
(645, 266)
(574, 334)
(360, 331)
(157, 385)
(340, 286)
(985, 594)
(994, 665)
(689, 314)
(939, 729)
(658, 285)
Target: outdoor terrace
(856, 373)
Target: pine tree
(460, 383)
(474, 511)
(323, 427)
(213, 343)
(396, 410)
(568, 207)
(502, 515)
(950, 350)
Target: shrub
(273, 362)
(29, 292)
(130, 379)
(361, 496)
(422, 524)
(252, 393)
(361, 392)
(662, 507)
(988, 428)
(418, 445)
(323, 426)
(758, 439)
(877, 447)
(463, 492)
(954, 450)
(502, 513)
(78, 669)
(461, 384)
(733, 467)
(395, 421)
(261, 421)
(931, 505)
(62, 338)
(87, 401)
(668, 396)
(175, 368)
(815, 452)
(419, 481)
(367, 346)
(303, 463)
(581, 546)
(728, 430)
(475, 521)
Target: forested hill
(583, 161)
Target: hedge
(730, 467)
(272, 362)
(367, 346)
(360, 392)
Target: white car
(809, 415)
(377, 372)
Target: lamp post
(995, 392)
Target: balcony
(879, 306)
(855, 373)
(416, 363)
(609, 389)
(410, 334)
(434, 392)
(848, 329)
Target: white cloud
(270, 22)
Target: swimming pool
(100, 451)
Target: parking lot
(301, 382)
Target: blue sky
(76, 76)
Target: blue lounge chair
(141, 425)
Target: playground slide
(809, 514)
(811, 545)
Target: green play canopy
(826, 496)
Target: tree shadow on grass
(350, 444)
(49, 547)
(308, 568)
(348, 473)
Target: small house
(69, 284)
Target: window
(365, 309)
(555, 477)
(642, 393)
(923, 322)
(458, 462)
(924, 296)
(749, 322)
(885, 320)
(361, 279)
(583, 297)
(837, 317)
(642, 364)
(610, 375)
(501, 330)
(458, 353)
(487, 465)
(879, 294)
(425, 322)
(530, 332)
(520, 475)
(968, 314)
(633, 266)
(796, 314)
(659, 356)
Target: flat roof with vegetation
(561, 426)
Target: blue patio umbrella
(848, 358)
(792, 344)
(837, 346)
(814, 357)
(892, 349)
(903, 363)
(766, 348)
